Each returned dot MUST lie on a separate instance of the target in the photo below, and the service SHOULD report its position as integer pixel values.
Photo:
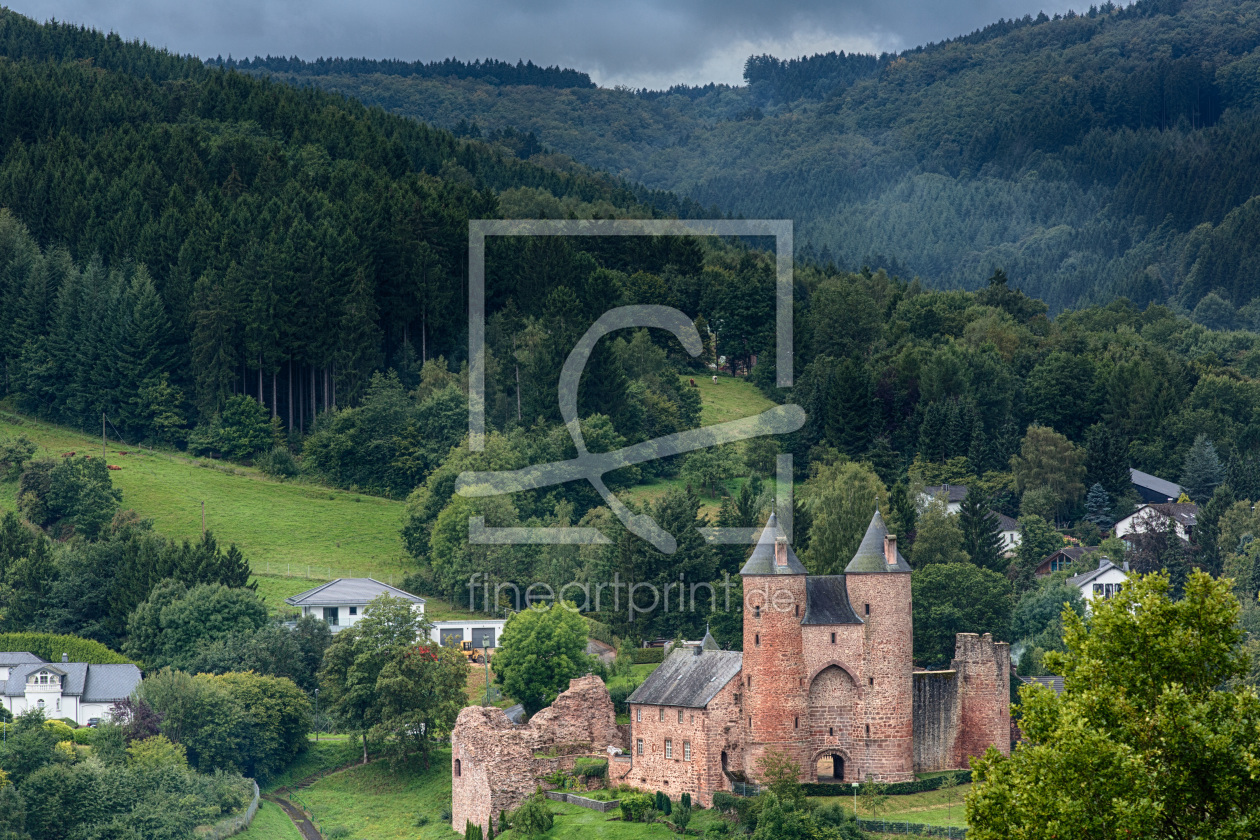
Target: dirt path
(299, 819)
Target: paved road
(299, 819)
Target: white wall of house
(1010, 540)
(1104, 586)
(341, 616)
(1144, 518)
(475, 631)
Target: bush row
(894, 789)
(50, 646)
(649, 656)
(600, 632)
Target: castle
(826, 677)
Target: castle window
(796, 610)
(868, 730)
(638, 714)
(831, 730)
(757, 640)
(458, 771)
(796, 723)
(737, 699)
(662, 714)
(833, 638)
(872, 680)
(669, 748)
(757, 612)
(686, 751)
(638, 746)
(750, 682)
(868, 608)
(680, 715)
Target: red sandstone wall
(887, 656)
(984, 708)
(777, 701)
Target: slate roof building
(342, 602)
(1154, 489)
(1062, 559)
(1180, 517)
(65, 689)
(955, 494)
(1101, 583)
(825, 675)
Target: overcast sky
(641, 43)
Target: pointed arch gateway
(833, 699)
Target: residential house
(75, 690)
(482, 632)
(342, 602)
(954, 494)
(1152, 489)
(1101, 583)
(9, 661)
(1063, 559)
(1053, 683)
(1147, 517)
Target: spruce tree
(1107, 459)
(1202, 471)
(1098, 507)
(1207, 529)
(982, 532)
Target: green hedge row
(649, 656)
(894, 789)
(600, 632)
(50, 646)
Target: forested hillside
(1112, 152)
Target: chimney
(1124, 567)
(890, 549)
(698, 649)
(65, 657)
(1102, 561)
(780, 551)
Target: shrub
(649, 656)
(50, 646)
(635, 807)
(240, 431)
(61, 730)
(591, 768)
(278, 463)
(725, 802)
(14, 453)
(618, 692)
(533, 817)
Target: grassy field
(322, 756)
(378, 803)
(270, 823)
(284, 528)
(929, 808)
(728, 399)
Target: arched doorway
(830, 767)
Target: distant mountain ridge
(1108, 153)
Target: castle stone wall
(935, 720)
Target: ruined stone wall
(493, 763)
(936, 720)
(776, 708)
(984, 674)
(887, 703)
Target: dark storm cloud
(636, 42)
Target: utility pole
(103, 436)
(203, 520)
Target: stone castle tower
(827, 659)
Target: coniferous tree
(982, 532)
(1106, 459)
(1201, 472)
(1098, 507)
(1207, 529)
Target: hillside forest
(1106, 152)
(241, 269)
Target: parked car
(93, 723)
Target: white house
(482, 632)
(952, 493)
(1147, 517)
(1010, 532)
(10, 660)
(1101, 583)
(65, 689)
(343, 601)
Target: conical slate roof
(761, 562)
(709, 642)
(870, 554)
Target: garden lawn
(283, 528)
(729, 398)
(379, 803)
(928, 808)
(574, 823)
(270, 823)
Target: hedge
(600, 632)
(50, 646)
(893, 789)
(649, 656)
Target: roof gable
(688, 679)
(352, 591)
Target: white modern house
(343, 601)
(1010, 532)
(1101, 583)
(482, 632)
(65, 689)
(1148, 517)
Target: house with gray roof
(342, 602)
(65, 689)
(1153, 489)
(1101, 583)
